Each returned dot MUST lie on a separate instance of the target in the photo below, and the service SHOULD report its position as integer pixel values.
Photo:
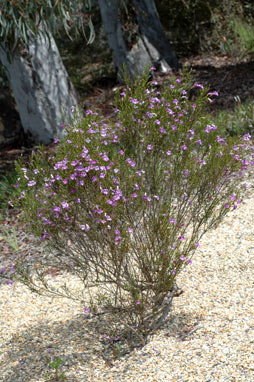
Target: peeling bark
(150, 45)
(41, 86)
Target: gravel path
(209, 335)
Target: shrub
(231, 31)
(127, 203)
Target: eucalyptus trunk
(139, 41)
(41, 87)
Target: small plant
(10, 238)
(57, 377)
(231, 31)
(245, 34)
(127, 203)
(7, 189)
(238, 122)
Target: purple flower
(214, 93)
(99, 211)
(130, 162)
(246, 137)
(145, 197)
(105, 158)
(184, 147)
(168, 153)
(226, 205)
(171, 220)
(199, 86)
(149, 147)
(181, 238)
(87, 310)
(45, 235)
(31, 183)
(65, 205)
(182, 257)
(57, 209)
(210, 128)
(84, 227)
(134, 101)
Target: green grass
(7, 189)
(239, 121)
(245, 34)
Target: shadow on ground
(81, 341)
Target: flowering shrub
(127, 203)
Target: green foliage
(127, 203)
(238, 122)
(223, 26)
(22, 20)
(231, 30)
(7, 188)
(57, 377)
(10, 238)
(245, 33)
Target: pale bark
(41, 87)
(151, 46)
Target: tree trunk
(138, 41)
(41, 86)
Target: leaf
(92, 32)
